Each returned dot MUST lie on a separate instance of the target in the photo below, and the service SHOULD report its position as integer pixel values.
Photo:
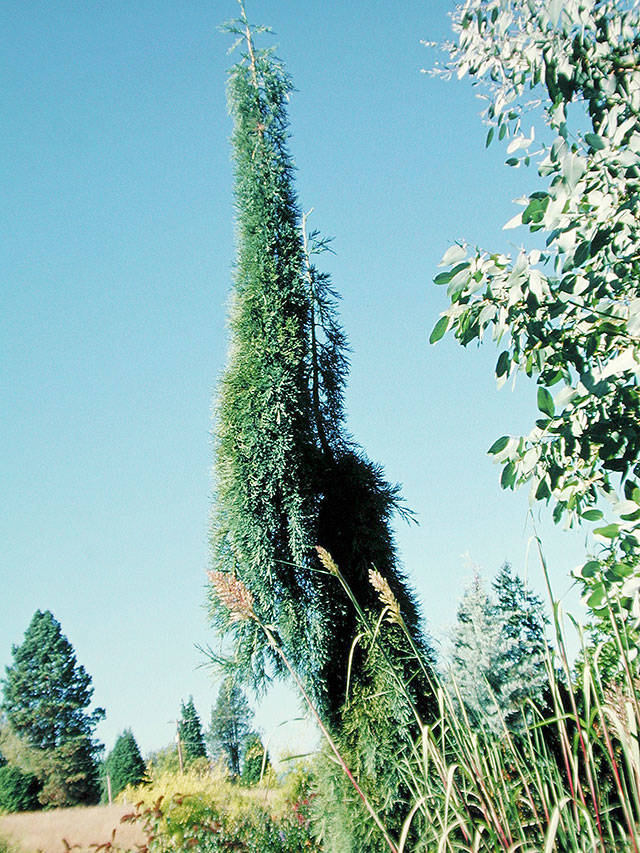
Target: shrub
(210, 814)
(18, 791)
(163, 761)
(255, 763)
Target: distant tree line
(49, 755)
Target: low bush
(211, 814)
(255, 762)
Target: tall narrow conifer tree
(288, 475)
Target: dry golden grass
(82, 826)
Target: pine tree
(190, 731)
(124, 764)
(289, 477)
(46, 694)
(230, 725)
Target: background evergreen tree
(288, 475)
(18, 791)
(124, 764)
(524, 624)
(230, 726)
(498, 652)
(190, 730)
(46, 695)
(478, 663)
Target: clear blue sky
(117, 256)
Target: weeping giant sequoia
(288, 476)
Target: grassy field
(31, 832)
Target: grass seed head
(327, 560)
(385, 595)
(234, 595)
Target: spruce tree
(124, 764)
(524, 625)
(46, 695)
(498, 652)
(478, 661)
(289, 477)
(230, 725)
(190, 730)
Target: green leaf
(545, 402)
(543, 491)
(589, 569)
(489, 137)
(582, 253)
(443, 278)
(597, 597)
(499, 445)
(592, 515)
(439, 329)
(601, 239)
(512, 161)
(621, 570)
(508, 478)
(534, 211)
(458, 268)
(594, 141)
(502, 366)
(608, 532)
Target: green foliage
(569, 314)
(18, 791)
(567, 780)
(207, 813)
(524, 624)
(163, 761)
(288, 475)
(255, 763)
(300, 778)
(45, 691)
(190, 731)
(265, 450)
(124, 764)
(70, 774)
(230, 726)
(46, 694)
